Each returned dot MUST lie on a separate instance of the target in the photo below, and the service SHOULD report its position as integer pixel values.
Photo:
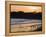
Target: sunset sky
(26, 8)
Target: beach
(19, 25)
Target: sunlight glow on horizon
(26, 8)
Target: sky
(26, 8)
